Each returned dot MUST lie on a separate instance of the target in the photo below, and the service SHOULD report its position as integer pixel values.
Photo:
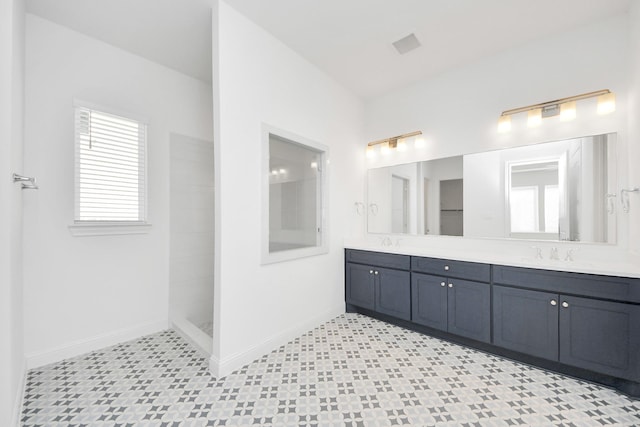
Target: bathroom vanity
(581, 324)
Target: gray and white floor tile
(351, 371)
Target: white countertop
(625, 268)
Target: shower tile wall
(192, 227)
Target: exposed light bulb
(274, 172)
(401, 145)
(534, 118)
(568, 111)
(606, 103)
(384, 148)
(419, 142)
(504, 124)
(282, 171)
(314, 165)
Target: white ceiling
(348, 39)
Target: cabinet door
(429, 300)
(393, 293)
(469, 309)
(601, 336)
(526, 321)
(360, 286)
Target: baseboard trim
(222, 368)
(193, 335)
(80, 347)
(19, 399)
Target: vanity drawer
(590, 285)
(444, 267)
(400, 262)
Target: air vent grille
(407, 44)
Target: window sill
(292, 254)
(108, 228)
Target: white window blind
(110, 168)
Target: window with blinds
(110, 168)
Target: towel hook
(28, 183)
(624, 198)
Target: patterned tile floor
(351, 371)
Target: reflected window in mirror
(534, 205)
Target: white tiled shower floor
(206, 327)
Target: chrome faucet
(569, 256)
(538, 252)
(386, 241)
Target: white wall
(258, 80)
(634, 124)
(12, 367)
(191, 247)
(83, 293)
(458, 110)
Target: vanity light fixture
(568, 111)
(564, 107)
(398, 143)
(534, 118)
(607, 103)
(371, 152)
(504, 123)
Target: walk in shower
(192, 239)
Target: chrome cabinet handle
(446, 268)
(565, 304)
(443, 284)
(451, 285)
(553, 302)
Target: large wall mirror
(562, 190)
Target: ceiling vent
(407, 44)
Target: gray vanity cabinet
(602, 336)
(393, 293)
(379, 282)
(449, 302)
(586, 325)
(526, 321)
(429, 301)
(461, 307)
(469, 309)
(583, 331)
(360, 288)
